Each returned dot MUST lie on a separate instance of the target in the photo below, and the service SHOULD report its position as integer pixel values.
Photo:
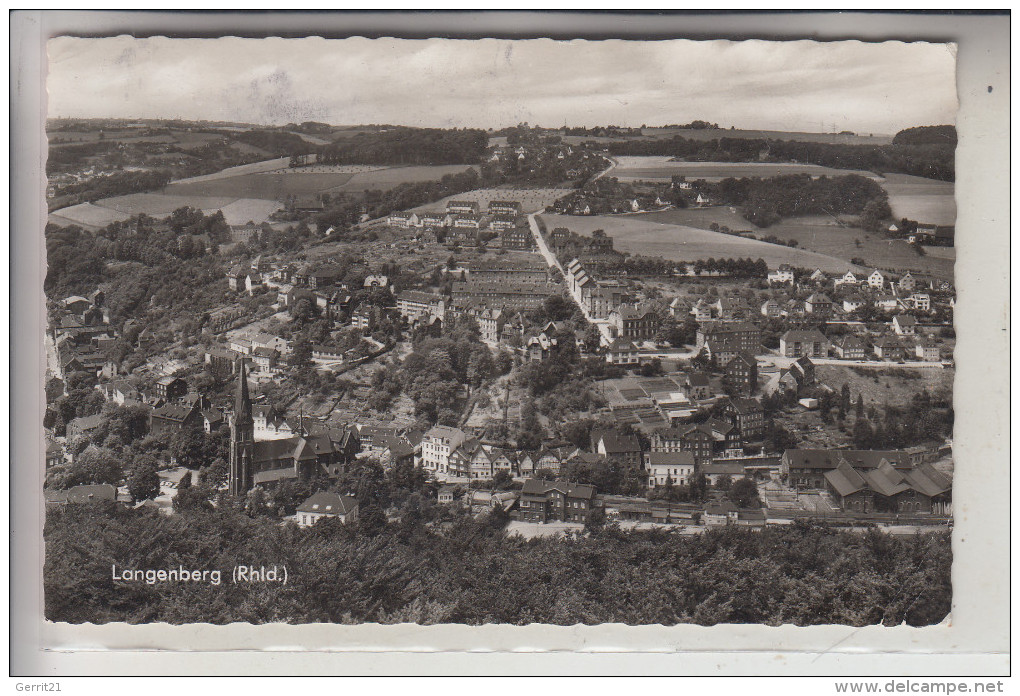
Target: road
(601, 324)
(783, 361)
(612, 166)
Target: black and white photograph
(499, 331)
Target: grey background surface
(974, 641)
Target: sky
(492, 83)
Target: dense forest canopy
(421, 146)
(926, 135)
(766, 201)
(469, 571)
(934, 161)
(275, 142)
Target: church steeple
(242, 404)
(242, 438)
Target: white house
(921, 301)
(876, 280)
(904, 325)
(847, 279)
(853, 303)
(783, 274)
(437, 445)
(678, 467)
(325, 504)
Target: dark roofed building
(806, 468)
(741, 373)
(545, 501)
(886, 488)
(615, 445)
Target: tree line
(421, 146)
(930, 160)
(767, 201)
(467, 570)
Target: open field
(924, 200)
(267, 185)
(274, 180)
(656, 168)
(253, 168)
(531, 199)
(332, 169)
(158, 204)
(124, 136)
(386, 178)
(702, 218)
(244, 210)
(639, 236)
(822, 234)
(190, 141)
(87, 215)
(236, 211)
(891, 386)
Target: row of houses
(902, 344)
(875, 281)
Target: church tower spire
(242, 437)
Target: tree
(143, 483)
(502, 480)
(698, 487)
(744, 493)
(301, 355)
(371, 520)
(724, 482)
(859, 408)
(188, 447)
(596, 521)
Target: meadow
(242, 169)
(638, 235)
(274, 180)
(268, 185)
(236, 211)
(823, 235)
(87, 215)
(661, 169)
(924, 200)
(384, 179)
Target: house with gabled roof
(885, 488)
(799, 342)
(555, 501)
(888, 348)
(904, 325)
(848, 278)
(849, 347)
(818, 305)
(613, 444)
(927, 349)
(876, 280)
(327, 504)
(622, 352)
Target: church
(301, 457)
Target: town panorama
(647, 373)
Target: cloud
(799, 85)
